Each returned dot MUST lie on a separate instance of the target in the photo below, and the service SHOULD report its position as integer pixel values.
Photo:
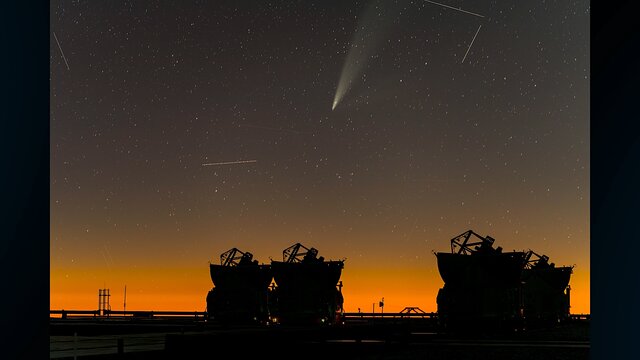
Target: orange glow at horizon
(185, 289)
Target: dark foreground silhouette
(350, 341)
(493, 305)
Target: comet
(370, 31)
(372, 26)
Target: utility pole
(104, 307)
(125, 300)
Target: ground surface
(167, 340)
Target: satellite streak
(453, 8)
(231, 162)
(474, 39)
(61, 52)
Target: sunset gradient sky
(420, 149)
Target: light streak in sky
(474, 39)
(61, 52)
(458, 9)
(466, 12)
(230, 162)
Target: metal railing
(580, 316)
(202, 315)
(369, 315)
(64, 314)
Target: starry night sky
(422, 147)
